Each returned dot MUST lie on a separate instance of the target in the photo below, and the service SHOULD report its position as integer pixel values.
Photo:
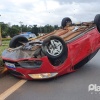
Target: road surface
(73, 86)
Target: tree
(29, 28)
(35, 30)
(14, 30)
(7, 29)
(48, 28)
(56, 27)
(4, 30)
(24, 28)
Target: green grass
(5, 42)
(2, 48)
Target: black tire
(97, 21)
(65, 21)
(15, 41)
(47, 43)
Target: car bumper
(41, 69)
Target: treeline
(8, 30)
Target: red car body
(80, 50)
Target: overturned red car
(62, 51)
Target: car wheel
(97, 21)
(54, 47)
(66, 21)
(17, 41)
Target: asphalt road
(73, 86)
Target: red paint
(77, 51)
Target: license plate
(10, 65)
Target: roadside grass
(5, 42)
(2, 48)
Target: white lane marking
(9, 91)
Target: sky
(42, 12)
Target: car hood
(17, 54)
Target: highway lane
(73, 86)
(6, 82)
